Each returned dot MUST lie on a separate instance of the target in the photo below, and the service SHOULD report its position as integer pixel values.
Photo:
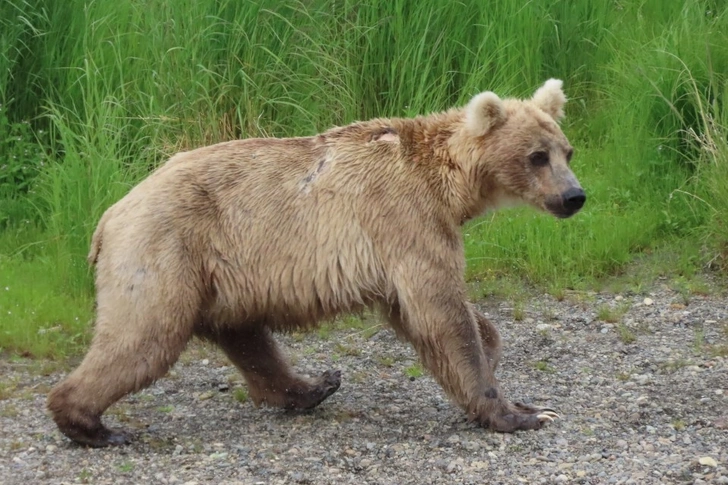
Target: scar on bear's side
(305, 184)
(388, 134)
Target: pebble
(453, 439)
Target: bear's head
(519, 153)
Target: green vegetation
(125, 467)
(414, 371)
(611, 314)
(543, 366)
(95, 94)
(626, 335)
(240, 394)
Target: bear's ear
(551, 99)
(484, 112)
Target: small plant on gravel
(324, 331)
(543, 366)
(414, 371)
(165, 409)
(158, 444)
(145, 397)
(550, 314)
(519, 312)
(240, 394)
(233, 378)
(6, 389)
(699, 340)
(84, 475)
(196, 446)
(623, 376)
(370, 332)
(718, 350)
(8, 412)
(125, 467)
(625, 334)
(121, 411)
(678, 424)
(385, 360)
(674, 365)
(610, 314)
(346, 349)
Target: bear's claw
(547, 417)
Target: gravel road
(643, 400)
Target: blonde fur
(232, 241)
(484, 112)
(551, 99)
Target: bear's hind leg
(270, 378)
(134, 344)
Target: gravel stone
(644, 410)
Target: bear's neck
(471, 188)
(430, 143)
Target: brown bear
(235, 241)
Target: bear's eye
(569, 154)
(539, 159)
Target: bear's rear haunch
(234, 241)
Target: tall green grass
(94, 94)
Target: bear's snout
(574, 199)
(567, 204)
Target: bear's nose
(574, 199)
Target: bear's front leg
(461, 348)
